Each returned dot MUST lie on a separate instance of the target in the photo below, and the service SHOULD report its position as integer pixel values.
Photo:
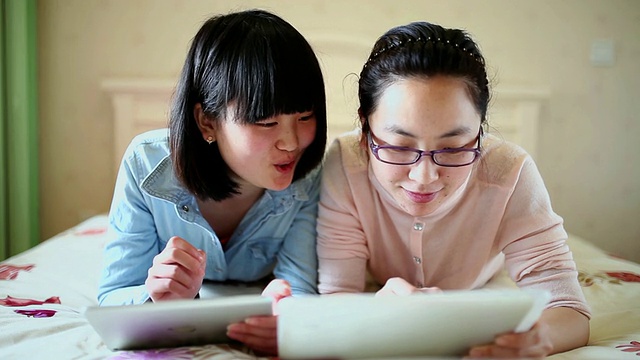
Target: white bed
(43, 289)
(60, 277)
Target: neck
(225, 216)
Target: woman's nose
(425, 171)
(288, 140)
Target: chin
(419, 210)
(279, 185)
(278, 188)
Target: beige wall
(589, 133)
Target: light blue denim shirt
(150, 205)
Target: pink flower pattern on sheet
(11, 301)
(176, 353)
(10, 272)
(35, 313)
(188, 352)
(611, 277)
(625, 276)
(632, 346)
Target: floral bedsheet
(43, 290)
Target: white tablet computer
(350, 326)
(173, 323)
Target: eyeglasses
(401, 155)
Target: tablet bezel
(173, 323)
(364, 326)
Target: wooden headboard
(143, 104)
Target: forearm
(124, 296)
(297, 259)
(568, 328)
(341, 275)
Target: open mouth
(285, 168)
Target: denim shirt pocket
(264, 249)
(255, 259)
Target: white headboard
(143, 104)
(138, 105)
(515, 112)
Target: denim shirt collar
(162, 183)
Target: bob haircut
(261, 64)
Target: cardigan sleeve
(534, 242)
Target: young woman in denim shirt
(229, 192)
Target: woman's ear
(363, 120)
(205, 124)
(364, 129)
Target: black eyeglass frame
(420, 153)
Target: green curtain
(19, 200)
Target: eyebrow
(461, 130)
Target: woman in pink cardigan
(420, 197)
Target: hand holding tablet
(173, 323)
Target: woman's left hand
(533, 344)
(260, 333)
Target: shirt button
(417, 260)
(418, 226)
(185, 208)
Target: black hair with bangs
(261, 64)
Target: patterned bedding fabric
(43, 290)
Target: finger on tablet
(430, 290)
(396, 286)
(277, 289)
